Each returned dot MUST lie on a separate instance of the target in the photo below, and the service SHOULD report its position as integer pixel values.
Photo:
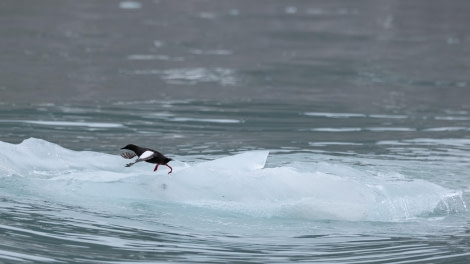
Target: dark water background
(367, 54)
(374, 92)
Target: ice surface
(238, 184)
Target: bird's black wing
(128, 155)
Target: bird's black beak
(123, 148)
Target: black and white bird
(146, 154)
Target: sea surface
(300, 131)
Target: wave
(239, 184)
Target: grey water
(301, 131)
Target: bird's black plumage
(146, 154)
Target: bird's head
(130, 147)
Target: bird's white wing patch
(146, 155)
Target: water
(327, 132)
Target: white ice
(238, 184)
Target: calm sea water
(318, 132)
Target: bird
(145, 154)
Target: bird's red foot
(171, 169)
(158, 164)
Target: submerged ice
(239, 184)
